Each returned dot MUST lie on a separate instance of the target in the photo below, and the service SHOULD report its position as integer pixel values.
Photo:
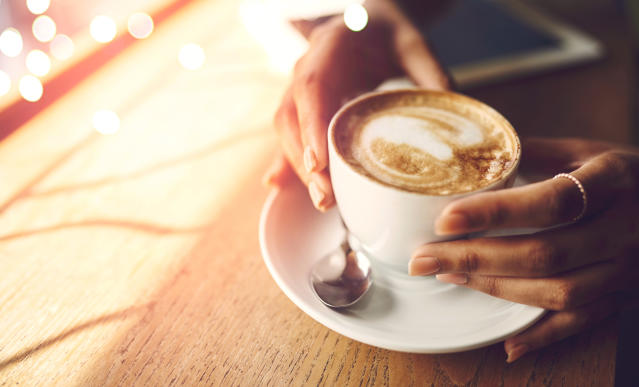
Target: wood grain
(133, 259)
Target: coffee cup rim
(369, 95)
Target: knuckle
(498, 213)
(564, 296)
(615, 160)
(491, 286)
(622, 171)
(471, 261)
(558, 206)
(307, 81)
(543, 258)
(623, 166)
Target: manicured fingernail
(455, 223)
(317, 195)
(518, 351)
(310, 160)
(423, 266)
(453, 278)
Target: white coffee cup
(389, 223)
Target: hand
(339, 65)
(581, 271)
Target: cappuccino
(427, 142)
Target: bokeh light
(103, 29)
(140, 25)
(37, 7)
(191, 56)
(11, 42)
(43, 28)
(38, 63)
(283, 45)
(5, 83)
(30, 88)
(106, 121)
(355, 17)
(61, 47)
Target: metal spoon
(341, 277)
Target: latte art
(437, 149)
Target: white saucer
(400, 313)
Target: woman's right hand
(583, 266)
(339, 65)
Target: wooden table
(133, 258)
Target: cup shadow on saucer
(377, 303)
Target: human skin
(581, 272)
(339, 65)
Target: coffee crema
(435, 143)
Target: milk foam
(429, 149)
(404, 130)
(433, 133)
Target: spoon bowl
(342, 277)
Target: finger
(419, 62)
(538, 255)
(550, 156)
(606, 178)
(561, 292)
(316, 103)
(321, 191)
(279, 173)
(318, 183)
(286, 124)
(558, 325)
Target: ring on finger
(584, 196)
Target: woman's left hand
(581, 271)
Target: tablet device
(487, 41)
(484, 41)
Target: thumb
(420, 63)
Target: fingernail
(310, 161)
(453, 278)
(326, 204)
(317, 195)
(423, 266)
(455, 223)
(518, 351)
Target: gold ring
(584, 197)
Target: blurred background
(41, 37)
(48, 46)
